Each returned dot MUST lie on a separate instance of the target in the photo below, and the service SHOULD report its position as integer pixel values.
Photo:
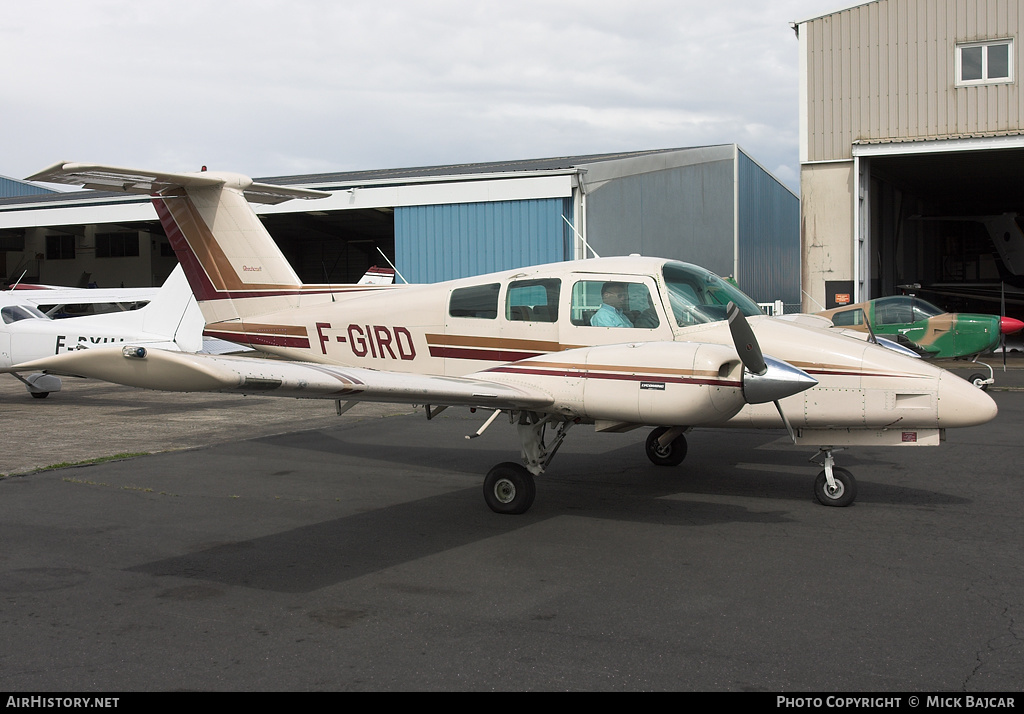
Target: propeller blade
(1002, 318)
(765, 379)
(744, 341)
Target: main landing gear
(666, 446)
(979, 380)
(509, 487)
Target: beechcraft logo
(249, 269)
(909, 437)
(653, 385)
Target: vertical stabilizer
(173, 313)
(232, 263)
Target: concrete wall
(826, 228)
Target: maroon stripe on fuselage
(201, 286)
(497, 355)
(583, 374)
(245, 338)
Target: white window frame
(960, 82)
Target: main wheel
(40, 395)
(979, 381)
(671, 454)
(509, 488)
(842, 495)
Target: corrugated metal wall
(685, 213)
(10, 188)
(768, 236)
(443, 242)
(886, 69)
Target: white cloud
(271, 88)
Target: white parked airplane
(615, 342)
(171, 320)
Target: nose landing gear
(834, 486)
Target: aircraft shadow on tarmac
(771, 466)
(616, 484)
(323, 554)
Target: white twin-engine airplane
(615, 342)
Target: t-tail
(234, 268)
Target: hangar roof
(524, 165)
(560, 164)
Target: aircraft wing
(185, 372)
(86, 296)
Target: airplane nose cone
(1008, 325)
(963, 404)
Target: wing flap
(183, 372)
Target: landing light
(134, 352)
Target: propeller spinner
(765, 379)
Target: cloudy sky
(301, 86)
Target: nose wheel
(834, 486)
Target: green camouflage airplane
(923, 327)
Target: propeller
(765, 379)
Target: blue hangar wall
(767, 236)
(443, 242)
(713, 206)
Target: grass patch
(89, 462)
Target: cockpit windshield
(903, 309)
(15, 313)
(698, 296)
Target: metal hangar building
(912, 153)
(712, 205)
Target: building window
(60, 247)
(117, 245)
(984, 63)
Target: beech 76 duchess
(618, 343)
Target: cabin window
(533, 300)
(479, 301)
(609, 303)
(984, 63)
(848, 318)
(16, 313)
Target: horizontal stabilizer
(116, 178)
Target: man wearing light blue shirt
(614, 299)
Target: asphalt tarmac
(268, 545)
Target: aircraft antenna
(392, 266)
(583, 240)
(16, 282)
(812, 299)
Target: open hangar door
(322, 247)
(950, 222)
(334, 246)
